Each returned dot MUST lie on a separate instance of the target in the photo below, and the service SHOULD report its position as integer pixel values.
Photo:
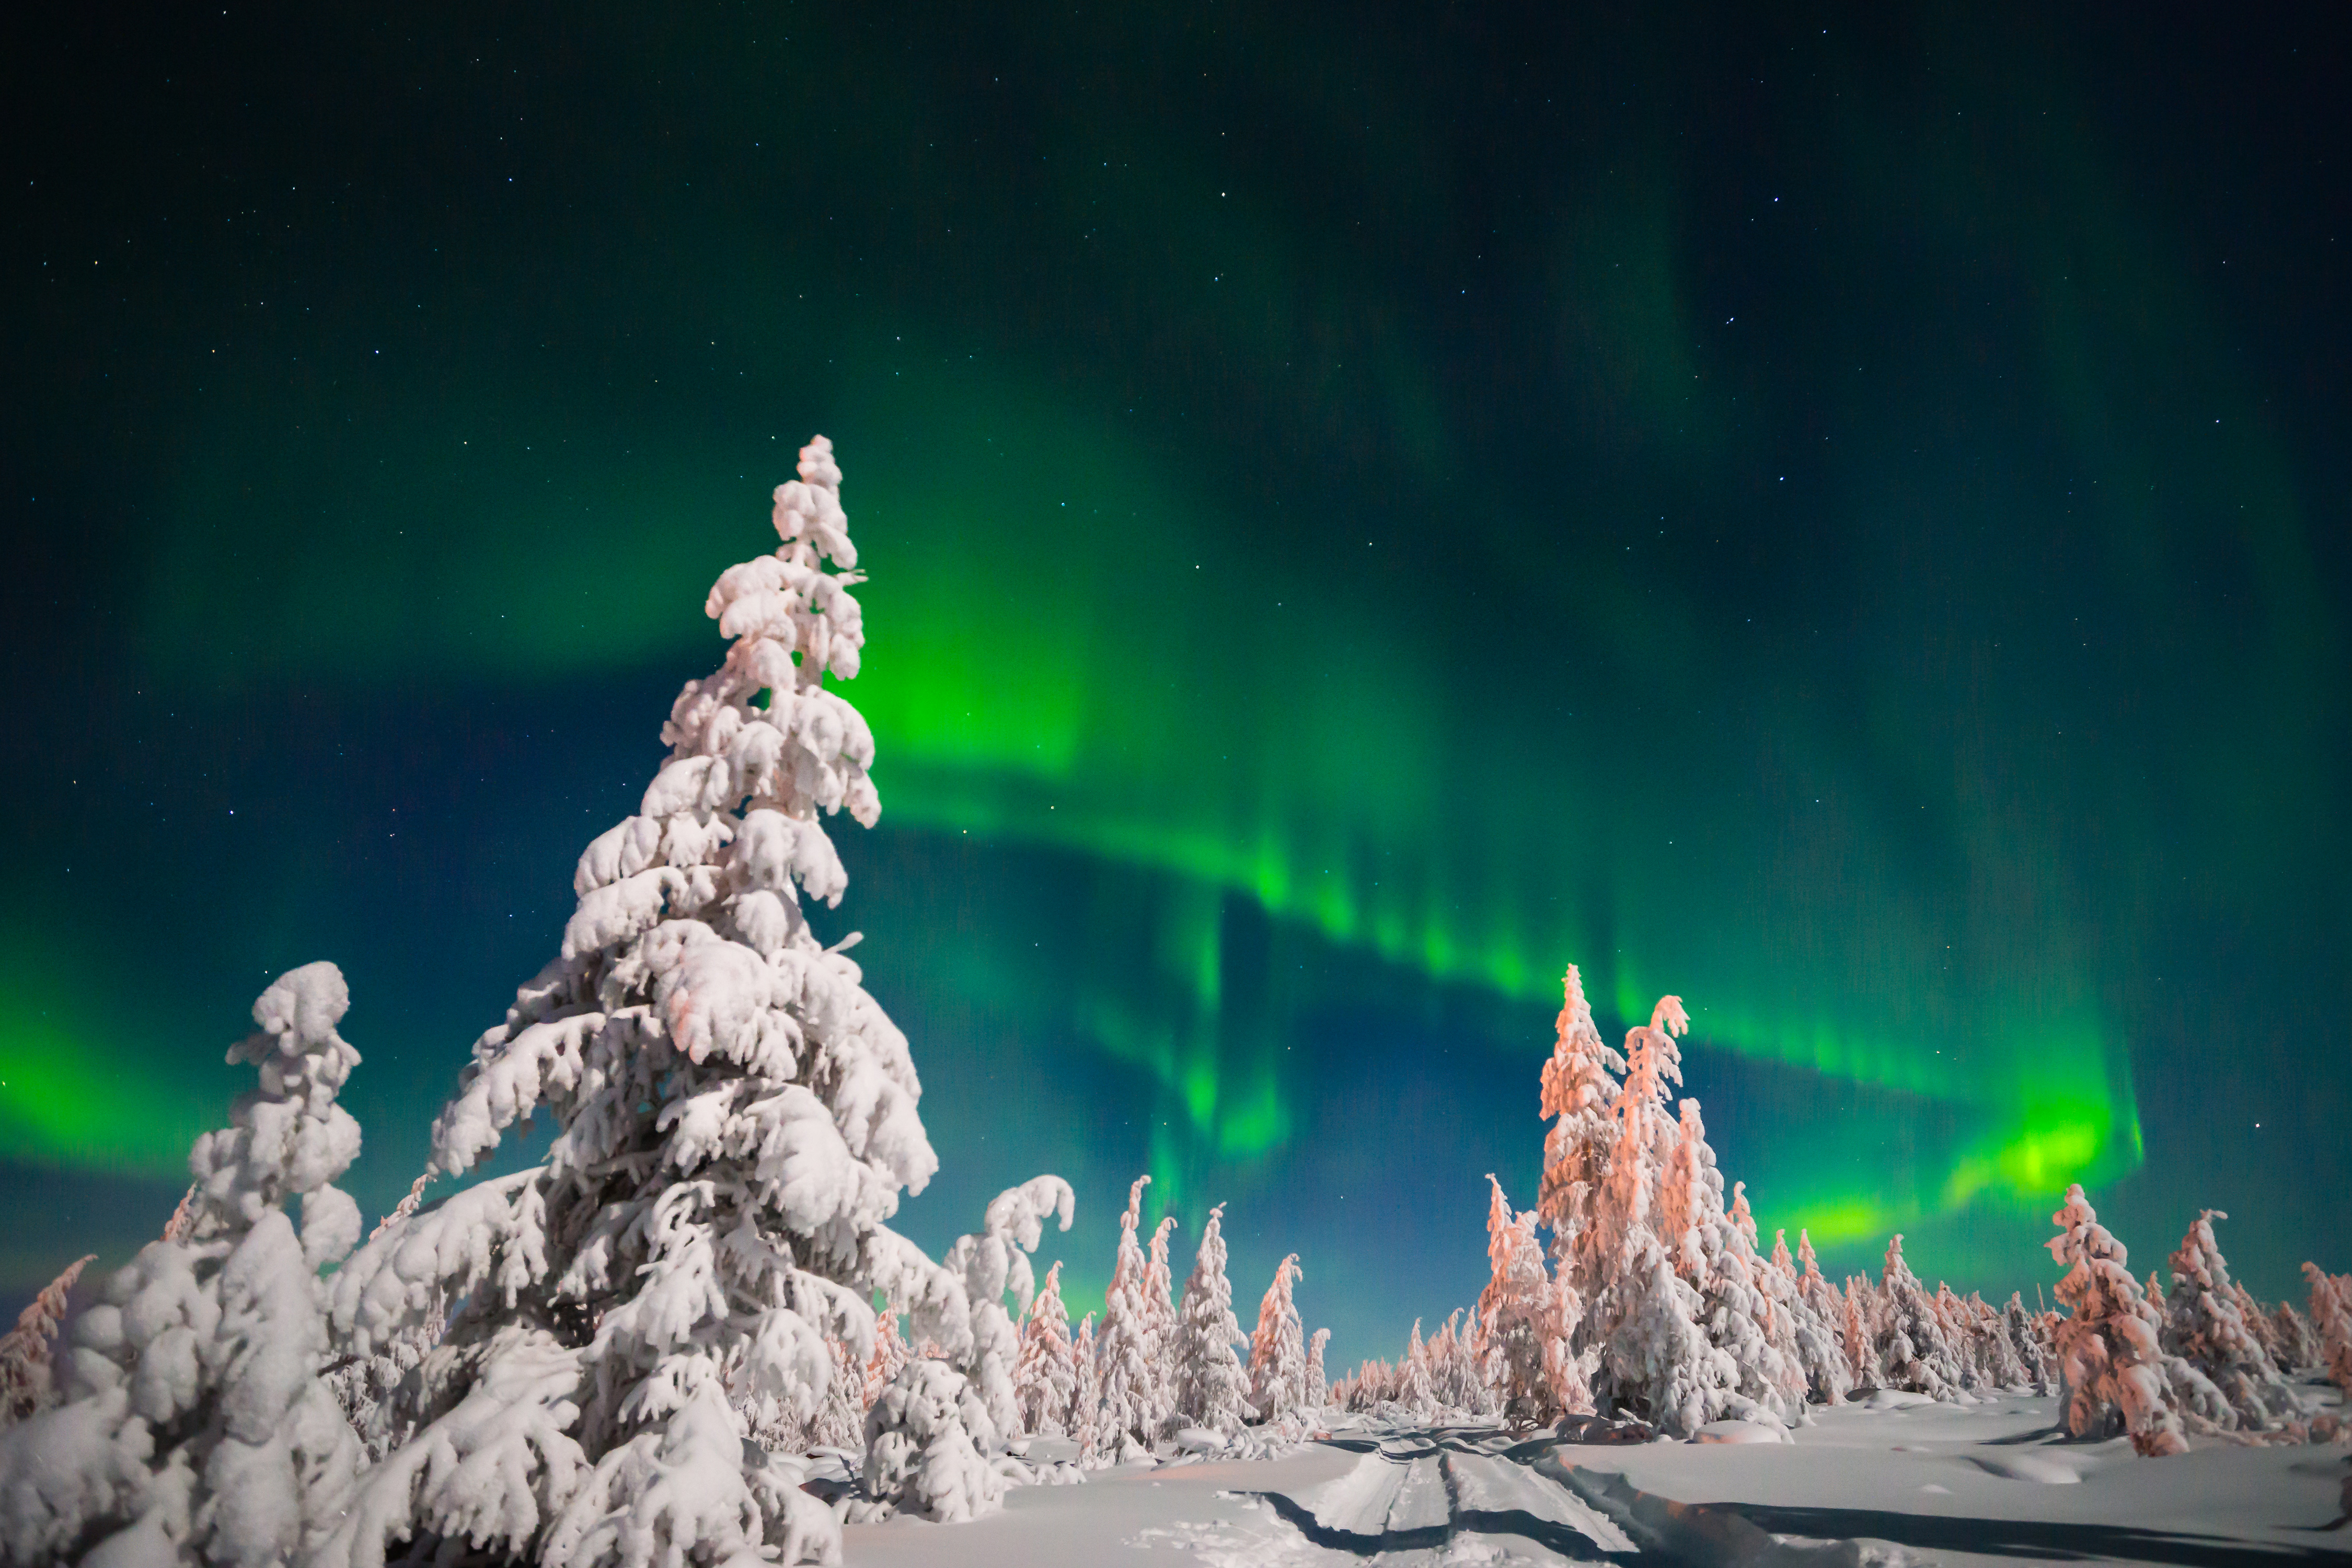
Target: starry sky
(1838, 515)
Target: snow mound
(2047, 1468)
(1891, 1399)
(1740, 1432)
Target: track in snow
(1461, 1497)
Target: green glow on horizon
(53, 1112)
(1071, 648)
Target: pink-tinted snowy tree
(735, 1119)
(2109, 1360)
(1654, 1360)
(2298, 1341)
(1580, 1097)
(2331, 1323)
(1525, 1324)
(27, 1380)
(891, 1352)
(1855, 1331)
(196, 1428)
(1278, 1362)
(1045, 1379)
(2204, 1325)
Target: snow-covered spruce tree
(2204, 1325)
(1045, 1379)
(735, 1119)
(993, 1262)
(1081, 1422)
(1716, 1255)
(1125, 1417)
(1523, 1324)
(1654, 1361)
(2110, 1362)
(1212, 1390)
(2259, 1324)
(1994, 1351)
(1690, 1195)
(2025, 1343)
(2299, 1344)
(196, 1428)
(1319, 1388)
(926, 1442)
(1774, 1310)
(1580, 1097)
(1453, 1369)
(1413, 1391)
(1959, 1332)
(1909, 1346)
(1856, 1331)
(2331, 1323)
(28, 1379)
(1159, 1312)
(1819, 1319)
(1278, 1362)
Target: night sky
(1842, 517)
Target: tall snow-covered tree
(735, 1119)
(2204, 1326)
(1318, 1387)
(1083, 1421)
(1126, 1412)
(196, 1428)
(1045, 1379)
(1653, 1360)
(1278, 1362)
(1211, 1388)
(1160, 1306)
(1579, 1095)
(2108, 1355)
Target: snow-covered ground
(1983, 1484)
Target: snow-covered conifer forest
(689, 1334)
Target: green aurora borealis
(1842, 521)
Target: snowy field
(1983, 1484)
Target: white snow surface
(1991, 1483)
